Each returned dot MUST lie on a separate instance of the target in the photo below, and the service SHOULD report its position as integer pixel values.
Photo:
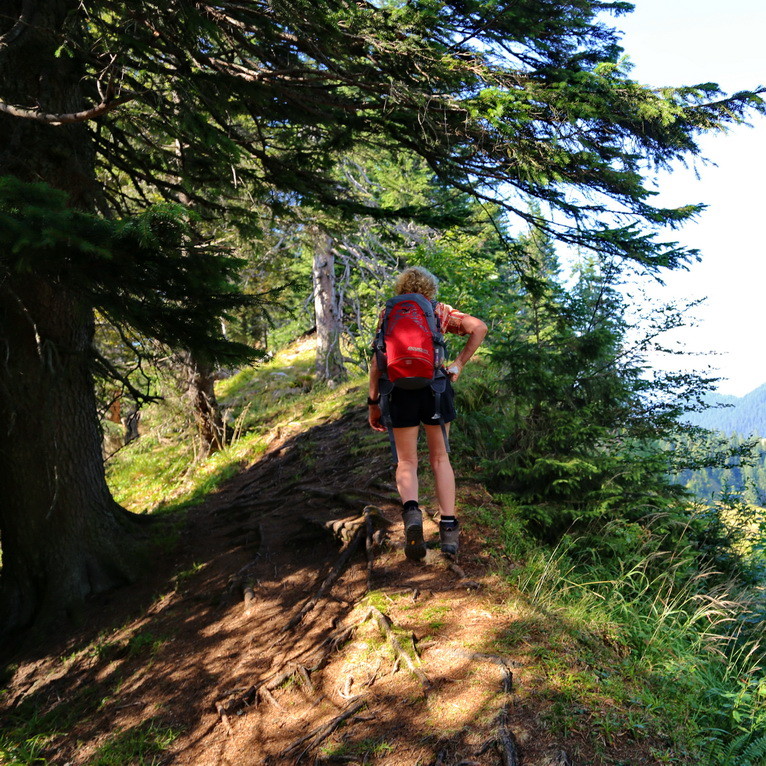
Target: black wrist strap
(370, 402)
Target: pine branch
(67, 119)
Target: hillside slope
(745, 415)
(281, 623)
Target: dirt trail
(405, 671)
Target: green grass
(365, 749)
(142, 745)
(660, 648)
(160, 472)
(27, 733)
(434, 616)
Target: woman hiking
(409, 408)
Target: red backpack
(410, 350)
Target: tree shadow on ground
(144, 676)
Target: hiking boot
(449, 537)
(414, 547)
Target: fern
(742, 751)
(755, 753)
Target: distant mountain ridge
(746, 415)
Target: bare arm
(476, 331)
(373, 410)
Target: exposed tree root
(241, 586)
(453, 567)
(237, 699)
(344, 529)
(371, 543)
(505, 742)
(400, 653)
(269, 697)
(233, 702)
(248, 594)
(460, 572)
(301, 746)
(345, 496)
(507, 684)
(328, 582)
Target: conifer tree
(95, 100)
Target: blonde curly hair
(416, 279)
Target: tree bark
(329, 363)
(207, 413)
(63, 537)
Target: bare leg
(444, 477)
(407, 468)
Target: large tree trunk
(329, 363)
(207, 413)
(62, 535)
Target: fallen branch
(318, 735)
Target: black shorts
(411, 408)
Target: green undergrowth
(628, 641)
(143, 745)
(162, 471)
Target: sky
(684, 42)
